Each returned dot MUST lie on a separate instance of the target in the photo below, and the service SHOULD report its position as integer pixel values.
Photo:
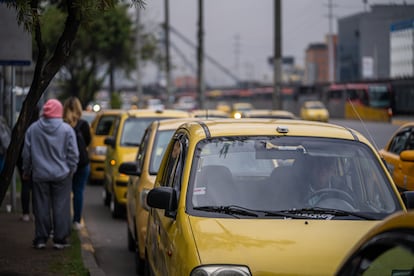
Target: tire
(131, 241)
(139, 264)
(147, 268)
(106, 197)
(116, 208)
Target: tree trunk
(41, 80)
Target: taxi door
(401, 171)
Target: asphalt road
(377, 133)
(109, 236)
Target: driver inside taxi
(321, 171)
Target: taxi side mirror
(130, 168)
(407, 155)
(163, 198)
(110, 141)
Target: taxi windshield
(290, 173)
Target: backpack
(5, 135)
(83, 152)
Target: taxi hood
(277, 246)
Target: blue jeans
(78, 186)
(2, 157)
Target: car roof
(269, 112)
(157, 113)
(209, 112)
(270, 127)
(166, 124)
(313, 102)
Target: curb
(88, 257)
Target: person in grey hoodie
(50, 157)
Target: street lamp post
(276, 100)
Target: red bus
(366, 101)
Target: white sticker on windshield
(200, 191)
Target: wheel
(139, 264)
(147, 268)
(330, 193)
(106, 197)
(131, 241)
(116, 208)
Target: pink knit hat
(52, 109)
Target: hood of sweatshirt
(50, 125)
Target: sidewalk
(17, 257)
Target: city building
(317, 62)
(402, 49)
(363, 50)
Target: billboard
(15, 42)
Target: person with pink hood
(50, 157)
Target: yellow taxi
(101, 127)
(88, 116)
(122, 146)
(269, 114)
(387, 249)
(237, 109)
(142, 174)
(399, 156)
(209, 113)
(264, 197)
(314, 111)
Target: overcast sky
(239, 34)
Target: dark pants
(51, 206)
(25, 195)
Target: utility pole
(167, 54)
(331, 44)
(277, 60)
(138, 61)
(200, 56)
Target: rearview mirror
(407, 155)
(130, 168)
(110, 141)
(163, 198)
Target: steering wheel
(331, 193)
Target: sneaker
(60, 244)
(39, 244)
(77, 226)
(25, 218)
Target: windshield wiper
(229, 210)
(328, 211)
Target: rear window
(134, 129)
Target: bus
(365, 101)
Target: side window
(115, 126)
(143, 147)
(399, 141)
(173, 156)
(410, 142)
(175, 164)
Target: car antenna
(363, 124)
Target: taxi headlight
(220, 270)
(99, 150)
(237, 115)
